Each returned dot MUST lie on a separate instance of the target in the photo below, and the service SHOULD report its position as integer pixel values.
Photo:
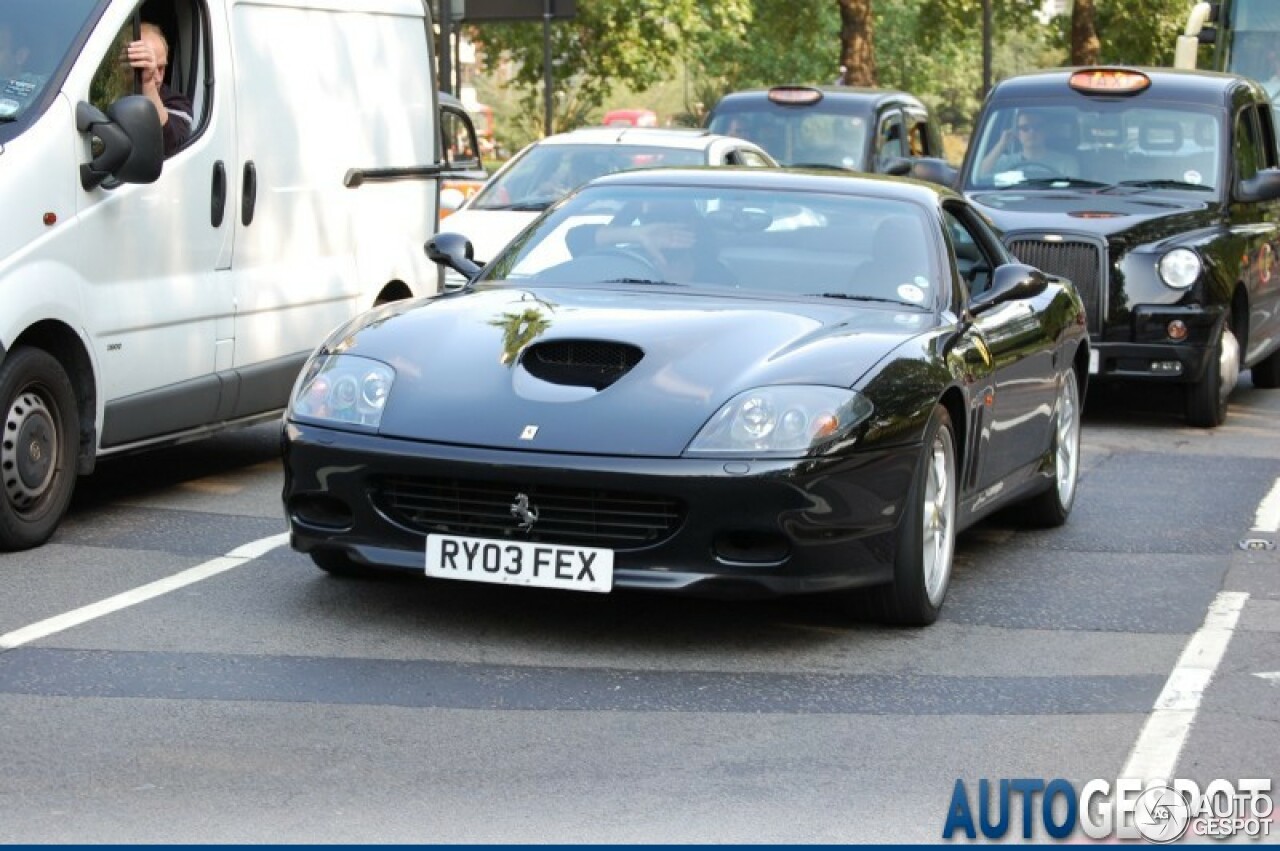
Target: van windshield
(34, 37)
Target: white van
(142, 305)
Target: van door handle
(219, 199)
(249, 195)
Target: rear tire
(1051, 508)
(1207, 398)
(39, 438)
(926, 534)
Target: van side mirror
(896, 166)
(1010, 282)
(132, 144)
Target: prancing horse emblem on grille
(521, 511)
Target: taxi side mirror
(1263, 186)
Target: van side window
(181, 21)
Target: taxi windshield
(34, 37)
(1099, 146)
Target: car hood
(1090, 211)
(488, 230)
(470, 367)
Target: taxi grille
(1079, 261)
(577, 516)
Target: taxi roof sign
(1109, 81)
(794, 94)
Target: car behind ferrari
(729, 382)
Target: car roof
(1210, 87)
(782, 179)
(668, 137)
(845, 94)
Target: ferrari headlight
(1180, 268)
(783, 420)
(342, 389)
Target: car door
(150, 255)
(1012, 423)
(1256, 221)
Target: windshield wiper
(856, 297)
(1159, 184)
(641, 281)
(522, 206)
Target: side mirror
(935, 170)
(1010, 282)
(453, 250)
(130, 144)
(1263, 186)
(896, 166)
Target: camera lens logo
(1161, 815)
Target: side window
(974, 259)
(113, 79)
(889, 139)
(918, 134)
(1247, 150)
(751, 158)
(458, 140)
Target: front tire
(1050, 508)
(1207, 398)
(39, 433)
(926, 533)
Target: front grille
(580, 363)
(577, 516)
(1079, 261)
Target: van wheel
(1266, 372)
(926, 537)
(38, 439)
(1207, 398)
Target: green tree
(636, 43)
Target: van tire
(39, 429)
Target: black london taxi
(1156, 191)
(843, 127)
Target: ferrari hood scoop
(580, 363)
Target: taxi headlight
(1180, 268)
(790, 420)
(342, 390)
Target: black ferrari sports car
(717, 381)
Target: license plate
(519, 563)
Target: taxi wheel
(927, 535)
(39, 434)
(1266, 372)
(1207, 398)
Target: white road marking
(42, 629)
(1274, 676)
(1155, 754)
(1268, 517)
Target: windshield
(34, 37)
(544, 174)
(812, 135)
(1098, 145)
(792, 243)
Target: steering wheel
(630, 262)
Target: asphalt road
(255, 699)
